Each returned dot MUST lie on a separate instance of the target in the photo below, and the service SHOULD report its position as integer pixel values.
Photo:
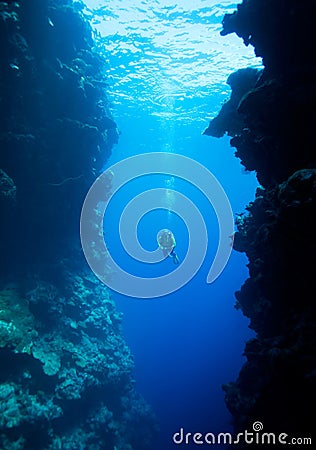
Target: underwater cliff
(271, 118)
(65, 379)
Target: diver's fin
(175, 259)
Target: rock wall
(56, 131)
(271, 117)
(66, 372)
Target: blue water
(167, 66)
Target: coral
(66, 372)
(77, 358)
(18, 408)
(7, 187)
(9, 408)
(277, 383)
(16, 322)
(276, 116)
(275, 235)
(56, 132)
(48, 353)
(265, 123)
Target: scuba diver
(167, 243)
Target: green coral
(16, 322)
(18, 407)
(7, 187)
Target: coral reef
(62, 348)
(277, 115)
(56, 131)
(16, 322)
(66, 372)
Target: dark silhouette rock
(229, 120)
(276, 386)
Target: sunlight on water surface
(167, 58)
